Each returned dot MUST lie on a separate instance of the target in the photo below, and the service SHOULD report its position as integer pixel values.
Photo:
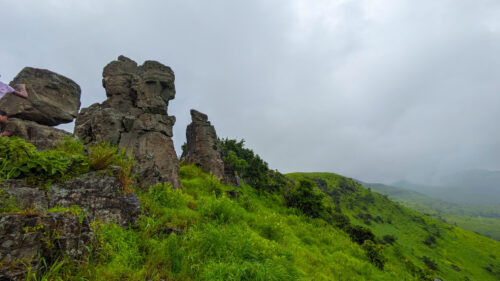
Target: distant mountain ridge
(470, 187)
(482, 219)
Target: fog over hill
(376, 90)
(473, 187)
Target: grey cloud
(377, 90)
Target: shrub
(360, 234)
(70, 145)
(431, 264)
(340, 220)
(20, 159)
(246, 163)
(102, 155)
(307, 199)
(374, 253)
(430, 240)
(389, 239)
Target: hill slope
(454, 253)
(315, 226)
(470, 187)
(481, 219)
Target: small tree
(307, 199)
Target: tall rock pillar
(202, 146)
(134, 116)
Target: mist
(376, 90)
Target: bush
(431, 264)
(389, 239)
(307, 199)
(102, 155)
(246, 163)
(20, 159)
(374, 253)
(340, 220)
(430, 240)
(360, 234)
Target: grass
(457, 253)
(484, 220)
(256, 237)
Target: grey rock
(41, 136)
(24, 238)
(203, 147)
(134, 116)
(53, 99)
(27, 197)
(99, 196)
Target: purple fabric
(4, 89)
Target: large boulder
(202, 146)
(53, 99)
(41, 136)
(134, 116)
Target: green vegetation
(20, 159)
(423, 245)
(302, 226)
(484, 220)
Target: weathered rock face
(99, 196)
(41, 136)
(39, 233)
(134, 116)
(53, 99)
(202, 147)
(25, 238)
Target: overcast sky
(379, 90)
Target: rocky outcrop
(24, 238)
(134, 116)
(202, 146)
(53, 99)
(48, 226)
(99, 196)
(203, 149)
(41, 136)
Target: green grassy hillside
(484, 220)
(454, 253)
(304, 226)
(253, 235)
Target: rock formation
(134, 116)
(41, 136)
(202, 146)
(203, 149)
(37, 232)
(53, 99)
(24, 238)
(99, 196)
